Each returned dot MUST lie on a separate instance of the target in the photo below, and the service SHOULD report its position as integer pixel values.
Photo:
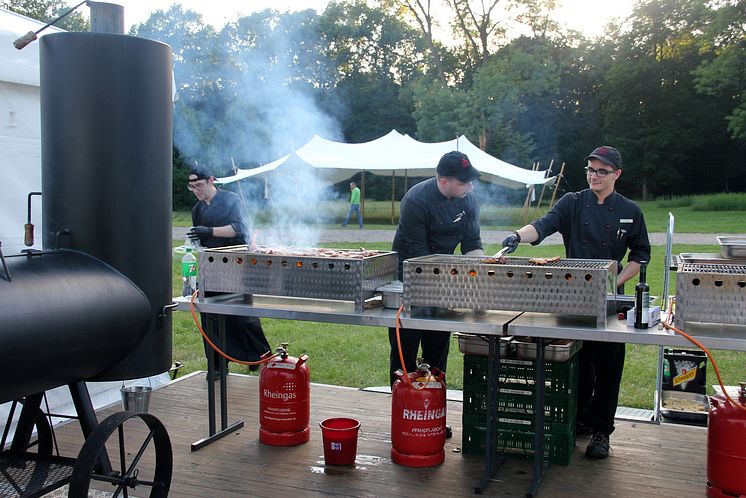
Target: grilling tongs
(502, 252)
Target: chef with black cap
(596, 223)
(435, 217)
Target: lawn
(378, 214)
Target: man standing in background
(354, 205)
(217, 222)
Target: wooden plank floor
(647, 460)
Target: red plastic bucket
(340, 440)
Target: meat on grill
(544, 261)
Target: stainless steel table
(492, 324)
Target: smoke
(255, 105)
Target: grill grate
(589, 264)
(713, 268)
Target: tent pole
(405, 180)
(362, 193)
(544, 187)
(527, 202)
(556, 185)
(393, 191)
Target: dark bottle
(642, 299)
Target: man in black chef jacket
(596, 223)
(435, 217)
(218, 222)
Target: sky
(586, 16)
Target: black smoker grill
(93, 304)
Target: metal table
(492, 324)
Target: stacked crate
(515, 428)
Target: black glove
(200, 233)
(512, 241)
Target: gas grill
(711, 294)
(568, 286)
(297, 272)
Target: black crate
(685, 370)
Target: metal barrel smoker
(93, 304)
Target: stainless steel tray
(556, 350)
(391, 294)
(478, 345)
(669, 409)
(732, 246)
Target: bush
(675, 201)
(720, 202)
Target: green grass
(358, 356)
(718, 214)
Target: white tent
(393, 154)
(20, 133)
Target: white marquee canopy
(393, 154)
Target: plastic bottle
(189, 273)
(642, 299)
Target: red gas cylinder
(284, 400)
(726, 451)
(418, 418)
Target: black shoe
(599, 446)
(583, 429)
(449, 432)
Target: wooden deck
(647, 460)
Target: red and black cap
(457, 165)
(607, 155)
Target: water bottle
(189, 273)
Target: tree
(725, 74)
(47, 11)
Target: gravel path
(488, 236)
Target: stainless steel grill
(711, 294)
(568, 287)
(299, 272)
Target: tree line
(666, 86)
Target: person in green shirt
(354, 205)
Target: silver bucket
(136, 398)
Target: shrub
(720, 202)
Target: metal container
(478, 345)
(675, 405)
(391, 294)
(556, 350)
(344, 277)
(711, 294)
(569, 286)
(732, 246)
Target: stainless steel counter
(484, 323)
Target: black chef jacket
(224, 209)
(429, 223)
(597, 231)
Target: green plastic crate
(515, 428)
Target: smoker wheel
(130, 473)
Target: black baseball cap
(200, 172)
(457, 165)
(607, 155)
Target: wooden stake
(544, 187)
(556, 185)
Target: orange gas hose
(401, 354)
(213, 346)
(694, 341)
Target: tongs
(502, 252)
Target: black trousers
(435, 345)
(600, 374)
(244, 337)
